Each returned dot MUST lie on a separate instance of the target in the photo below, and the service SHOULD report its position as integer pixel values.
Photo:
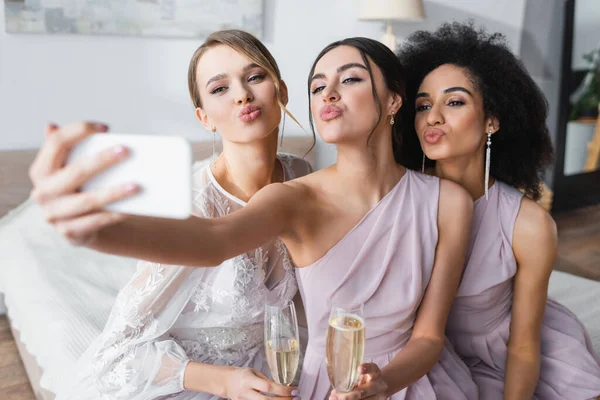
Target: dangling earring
(214, 131)
(392, 119)
(488, 152)
(423, 164)
(282, 131)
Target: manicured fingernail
(119, 150)
(295, 392)
(363, 370)
(100, 127)
(131, 188)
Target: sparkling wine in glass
(282, 346)
(345, 347)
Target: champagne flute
(345, 347)
(281, 342)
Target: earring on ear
(488, 154)
(392, 119)
(214, 152)
(282, 130)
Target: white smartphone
(160, 165)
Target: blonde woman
(196, 333)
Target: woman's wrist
(206, 378)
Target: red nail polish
(100, 127)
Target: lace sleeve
(134, 357)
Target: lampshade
(391, 10)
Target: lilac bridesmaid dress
(479, 322)
(385, 262)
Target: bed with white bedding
(58, 296)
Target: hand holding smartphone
(159, 165)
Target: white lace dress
(169, 315)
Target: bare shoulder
(282, 196)
(455, 201)
(311, 193)
(291, 204)
(534, 229)
(306, 186)
(533, 219)
(275, 193)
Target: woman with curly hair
(475, 116)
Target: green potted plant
(586, 98)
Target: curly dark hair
(521, 148)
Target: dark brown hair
(391, 69)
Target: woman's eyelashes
(317, 89)
(254, 78)
(345, 81)
(455, 103)
(451, 103)
(352, 80)
(422, 107)
(218, 89)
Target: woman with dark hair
(480, 121)
(364, 231)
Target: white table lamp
(391, 10)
